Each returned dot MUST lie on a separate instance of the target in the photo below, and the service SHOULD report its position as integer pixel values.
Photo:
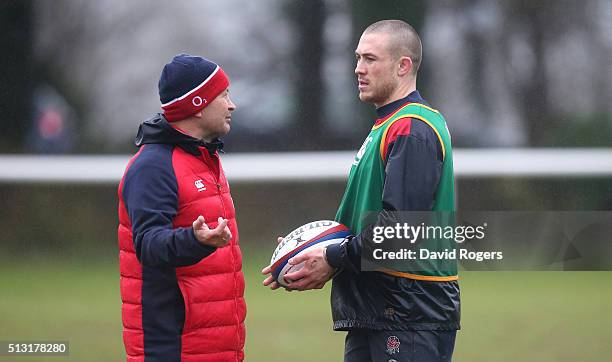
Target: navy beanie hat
(188, 84)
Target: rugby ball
(314, 234)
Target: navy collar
(213, 146)
(387, 109)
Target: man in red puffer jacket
(182, 287)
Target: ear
(198, 114)
(405, 66)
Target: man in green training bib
(404, 164)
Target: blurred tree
(537, 19)
(95, 54)
(512, 70)
(569, 76)
(16, 82)
(308, 18)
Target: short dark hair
(403, 40)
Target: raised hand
(216, 237)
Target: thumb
(222, 223)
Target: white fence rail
(315, 166)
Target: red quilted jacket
(182, 301)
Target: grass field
(543, 316)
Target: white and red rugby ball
(314, 234)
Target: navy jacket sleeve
(150, 193)
(412, 174)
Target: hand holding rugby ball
(306, 237)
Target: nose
(359, 69)
(231, 106)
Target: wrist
(325, 256)
(334, 269)
(198, 245)
(334, 254)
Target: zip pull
(219, 186)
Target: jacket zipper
(232, 251)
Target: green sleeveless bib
(363, 194)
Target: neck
(189, 127)
(400, 92)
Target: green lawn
(544, 316)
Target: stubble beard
(379, 95)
